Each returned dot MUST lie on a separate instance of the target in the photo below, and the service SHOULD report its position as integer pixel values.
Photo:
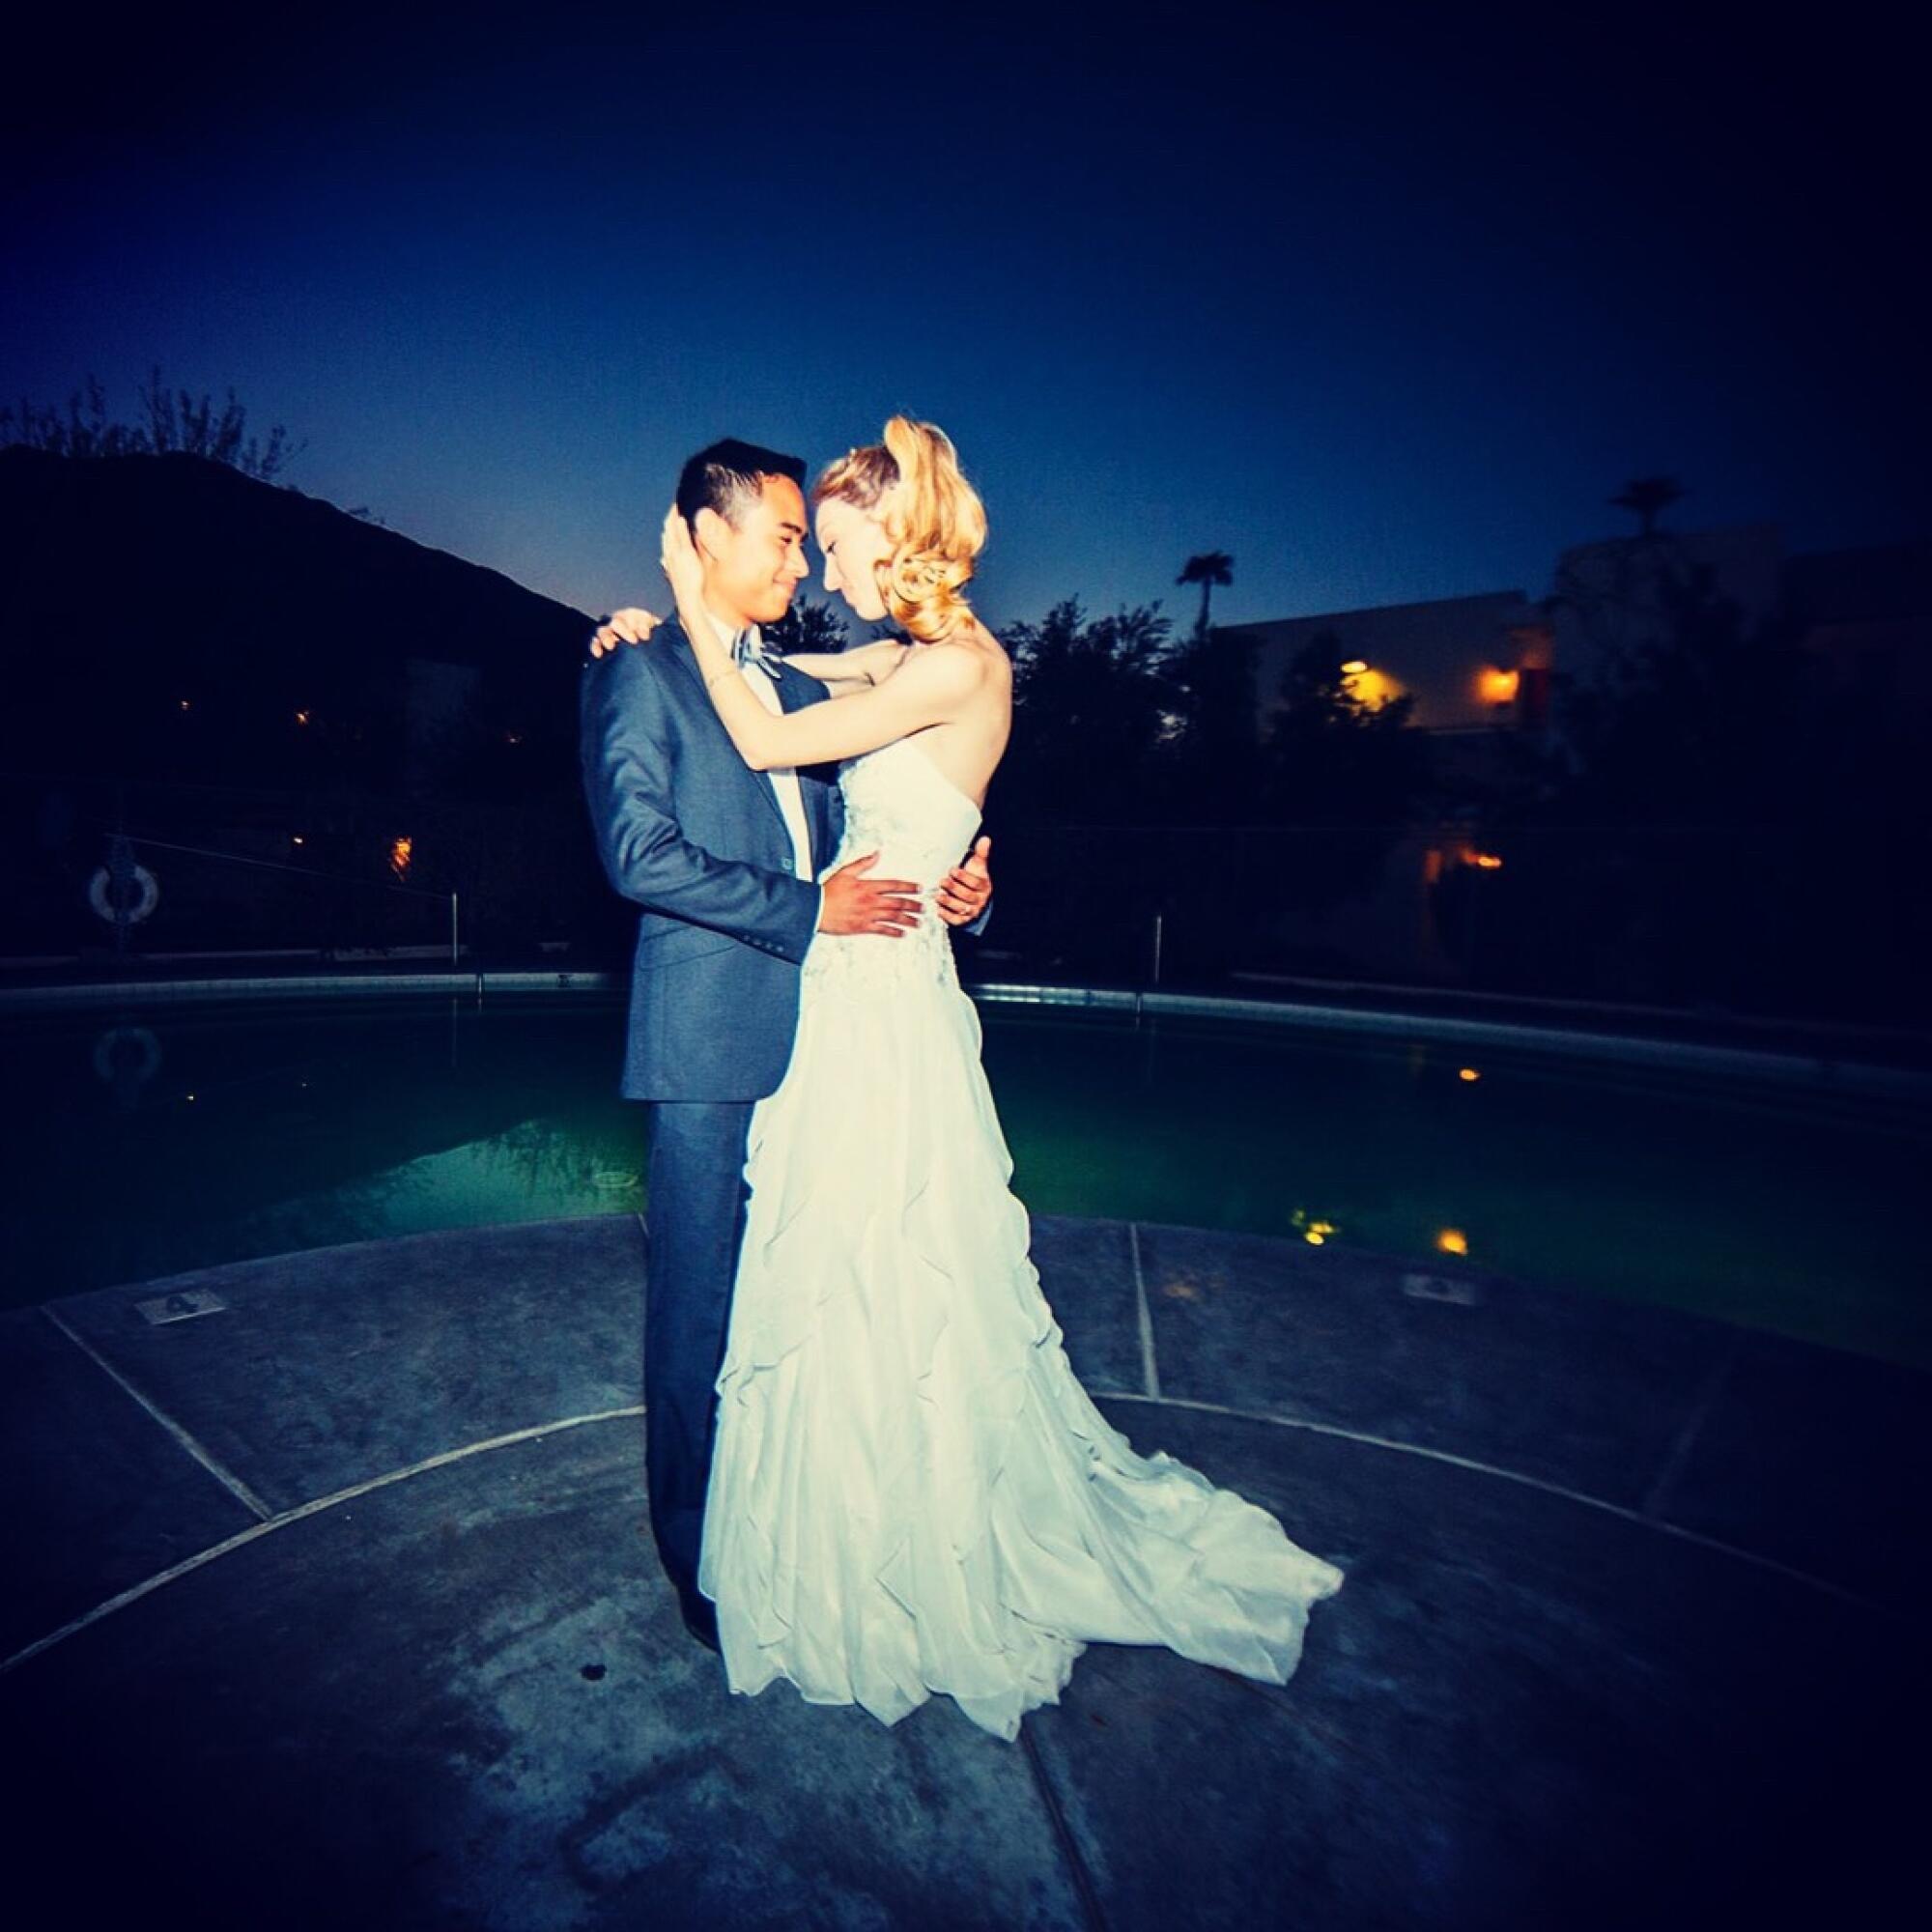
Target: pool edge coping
(1815, 1070)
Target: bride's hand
(682, 566)
(629, 626)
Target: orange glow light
(1453, 1241)
(1467, 1073)
(400, 852)
(1488, 862)
(1498, 687)
(302, 717)
(1373, 688)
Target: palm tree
(1648, 496)
(1211, 567)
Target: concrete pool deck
(333, 1604)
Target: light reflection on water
(316, 1124)
(537, 1171)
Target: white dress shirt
(784, 777)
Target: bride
(910, 1491)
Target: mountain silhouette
(166, 618)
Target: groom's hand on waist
(852, 903)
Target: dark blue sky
(1385, 310)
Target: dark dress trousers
(697, 838)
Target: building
(1468, 664)
(1479, 671)
(1477, 665)
(1864, 619)
(1614, 596)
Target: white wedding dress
(909, 1491)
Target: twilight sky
(1385, 309)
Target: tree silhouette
(1334, 759)
(1091, 698)
(1723, 829)
(1647, 497)
(807, 626)
(1617, 593)
(1209, 568)
(177, 422)
(1213, 750)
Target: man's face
(750, 571)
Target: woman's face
(855, 543)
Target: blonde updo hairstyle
(932, 516)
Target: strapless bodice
(899, 804)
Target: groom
(723, 859)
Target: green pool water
(145, 1142)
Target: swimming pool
(147, 1141)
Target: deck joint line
(537, 1431)
(1070, 1848)
(227, 1478)
(301, 1513)
(1528, 1482)
(1150, 1368)
(1686, 1439)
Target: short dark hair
(729, 478)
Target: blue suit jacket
(687, 830)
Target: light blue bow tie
(750, 648)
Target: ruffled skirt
(910, 1491)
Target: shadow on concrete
(335, 1605)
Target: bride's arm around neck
(933, 685)
(852, 671)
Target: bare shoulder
(990, 658)
(998, 657)
(959, 663)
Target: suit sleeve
(624, 744)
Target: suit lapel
(678, 641)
